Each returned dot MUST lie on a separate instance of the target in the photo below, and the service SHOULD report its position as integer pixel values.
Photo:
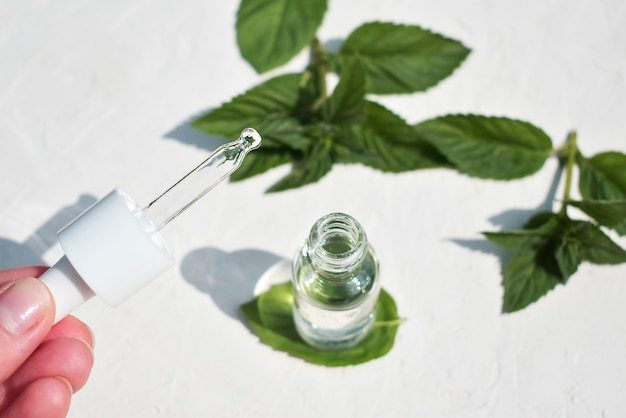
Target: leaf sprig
(303, 124)
(306, 125)
(551, 246)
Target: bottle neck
(337, 245)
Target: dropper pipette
(201, 180)
(114, 248)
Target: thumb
(26, 316)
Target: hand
(41, 365)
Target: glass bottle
(336, 285)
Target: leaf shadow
(229, 278)
(30, 252)
(511, 219)
(187, 134)
(334, 44)
(516, 218)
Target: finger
(47, 397)
(69, 358)
(26, 316)
(71, 327)
(67, 327)
(20, 272)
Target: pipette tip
(251, 138)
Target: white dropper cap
(114, 249)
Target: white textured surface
(97, 94)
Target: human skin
(41, 365)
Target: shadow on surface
(229, 278)
(189, 135)
(483, 246)
(510, 220)
(516, 218)
(30, 252)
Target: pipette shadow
(511, 219)
(30, 252)
(229, 278)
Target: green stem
(570, 150)
(319, 67)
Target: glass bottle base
(335, 339)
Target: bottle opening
(337, 241)
(337, 245)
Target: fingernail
(67, 382)
(22, 304)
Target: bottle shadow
(30, 252)
(230, 278)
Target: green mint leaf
(401, 58)
(596, 246)
(312, 86)
(569, 252)
(261, 161)
(488, 147)
(516, 240)
(536, 233)
(346, 106)
(270, 317)
(557, 247)
(275, 307)
(267, 107)
(545, 253)
(609, 213)
(544, 235)
(385, 142)
(541, 220)
(271, 32)
(283, 132)
(603, 176)
(526, 280)
(309, 169)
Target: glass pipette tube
(199, 181)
